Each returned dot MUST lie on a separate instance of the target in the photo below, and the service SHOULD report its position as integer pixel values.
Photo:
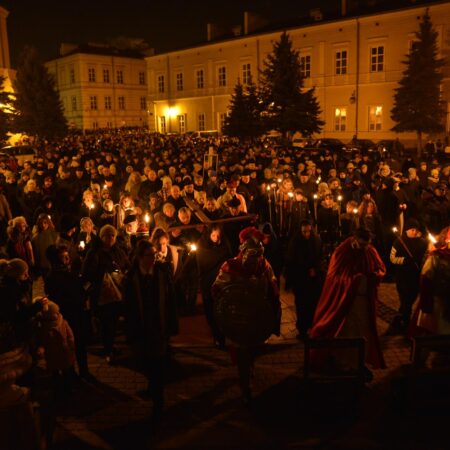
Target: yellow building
(5, 65)
(355, 64)
(101, 87)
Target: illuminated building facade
(5, 65)
(355, 64)
(101, 87)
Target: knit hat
(412, 223)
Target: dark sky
(164, 24)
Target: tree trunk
(419, 144)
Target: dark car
(21, 153)
(391, 146)
(364, 145)
(332, 144)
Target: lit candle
(395, 229)
(432, 239)
(147, 218)
(82, 245)
(192, 247)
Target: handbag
(110, 291)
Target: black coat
(210, 257)
(150, 305)
(16, 308)
(99, 261)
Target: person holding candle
(407, 254)
(432, 315)
(303, 274)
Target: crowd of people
(128, 223)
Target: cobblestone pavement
(203, 407)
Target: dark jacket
(150, 304)
(100, 261)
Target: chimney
(253, 22)
(316, 14)
(214, 31)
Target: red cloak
(341, 284)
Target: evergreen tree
(5, 111)
(418, 104)
(244, 118)
(39, 108)
(288, 107)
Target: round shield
(243, 312)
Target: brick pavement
(203, 407)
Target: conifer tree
(244, 118)
(288, 107)
(39, 111)
(5, 111)
(418, 104)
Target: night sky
(164, 24)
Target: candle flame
(290, 194)
(339, 198)
(432, 239)
(192, 247)
(355, 211)
(268, 188)
(394, 229)
(147, 218)
(91, 206)
(82, 245)
(315, 196)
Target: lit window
(222, 119)
(179, 78)
(91, 74)
(340, 119)
(161, 84)
(74, 103)
(143, 103)
(375, 118)
(93, 102)
(200, 79)
(141, 77)
(181, 124)
(341, 62)
(108, 124)
(105, 75)
(246, 73)
(162, 124)
(222, 76)
(121, 102)
(108, 102)
(201, 122)
(377, 59)
(305, 66)
(120, 77)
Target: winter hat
(412, 223)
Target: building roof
(100, 49)
(364, 9)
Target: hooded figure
(347, 305)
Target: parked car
(392, 146)
(362, 145)
(332, 144)
(301, 142)
(21, 153)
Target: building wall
(358, 92)
(80, 78)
